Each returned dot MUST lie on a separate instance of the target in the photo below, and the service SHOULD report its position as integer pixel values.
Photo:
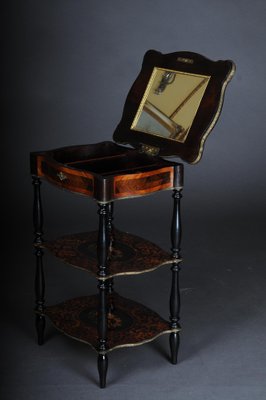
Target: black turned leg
(110, 282)
(102, 251)
(110, 211)
(102, 368)
(174, 314)
(39, 275)
(110, 290)
(175, 292)
(102, 333)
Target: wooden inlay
(130, 255)
(130, 324)
(139, 184)
(104, 171)
(73, 180)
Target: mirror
(170, 103)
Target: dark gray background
(68, 66)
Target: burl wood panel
(68, 178)
(140, 184)
(130, 255)
(104, 171)
(129, 324)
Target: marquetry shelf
(130, 254)
(129, 323)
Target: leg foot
(40, 326)
(102, 368)
(174, 346)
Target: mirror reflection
(170, 103)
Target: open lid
(174, 104)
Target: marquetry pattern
(130, 324)
(129, 254)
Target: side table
(170, 110)
(107, 172)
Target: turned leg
(102, 334)
(110, 211)
(175, 292)
(174, 314)
(39, 275)
(110, 282)
(102, 368)
(110, 290)
(102, 251)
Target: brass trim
(113, 348)
(216, 116)
(185, 60)
(143, 342)
(141, 272)
(116, 274)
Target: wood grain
(104, 171)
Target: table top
(106, 171)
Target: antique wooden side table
(170, 110)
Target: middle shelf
(130, 254)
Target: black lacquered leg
(174, 346)
(110, 211)
(102, 332)
(175, 292)
(39, 275)
(102, 250)
(174, 314)
(110, 282)
(110, 289)
(102, 368)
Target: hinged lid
(174, 104)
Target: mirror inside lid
(174, 104)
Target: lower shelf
(129, 324)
